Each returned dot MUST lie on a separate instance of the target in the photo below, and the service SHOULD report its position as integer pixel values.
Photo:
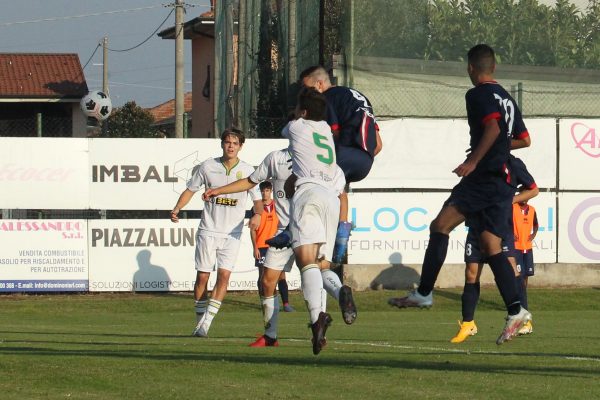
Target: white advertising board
(43, 255)
(158, 255)
(393, 228)
(150, 174)
(418, 153)
(579, 154)
(421, 153)
(48, 173)
(540, 157)
(579, 236)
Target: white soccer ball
(96, 104)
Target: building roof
(204, 25)
(41, 75)
(165, 113)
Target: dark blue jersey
(485, 102)
(351, 113)
(520, 174)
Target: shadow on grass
(339, 360)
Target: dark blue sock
(283, 290)
(522, 290)
(505, 280)
(470, 297)
(435, 255)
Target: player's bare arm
(490, 134)
(183, 200)
(241, 185)
(526, 195)
(520, 143)
(258, 208)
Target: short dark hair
(314, 103)
(265, 185)
(309, 71)
(482, 57)
(233, 132)
(315, 71)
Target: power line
(32, 21)
(145, 40)
(90, 59)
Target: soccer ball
(96, 104)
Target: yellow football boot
(466, 329)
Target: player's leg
(282, 286)
(200, 294)
(270, 309)
(527, 270)
(506, 283)
(276, 260)
(469, 299)
(205, 258)
(226, 253)
(312, 288)
(447, 219)
(356, 164)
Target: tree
(131, 121)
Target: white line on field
(445, 349)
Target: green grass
(132, 346)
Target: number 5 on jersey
(322, 142)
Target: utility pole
(179, 88)
(105, 66)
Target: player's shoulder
(205, 165)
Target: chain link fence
(37, 125)
(408, 56)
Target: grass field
(138, 346)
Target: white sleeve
(197, 180)
(263, 171)
(285, 132)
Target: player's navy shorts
(260, 262)
(486, 204)
(473, 251)
(525, 262)
(356, 163)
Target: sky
(145, 75)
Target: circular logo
(584, 228)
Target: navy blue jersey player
(483, 197)
(474, 258)
(356, 137)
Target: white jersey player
(315, 206)
(220, 229)
(277, 167)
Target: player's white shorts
(314, 217)
(279, 259)
(220, 252)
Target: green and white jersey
(313, 154)
(223, 215)
(277, 166)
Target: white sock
(324, 300)
(331, 283)
(211, 311)
(200, 307)
(270, 306)
(312, 287)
